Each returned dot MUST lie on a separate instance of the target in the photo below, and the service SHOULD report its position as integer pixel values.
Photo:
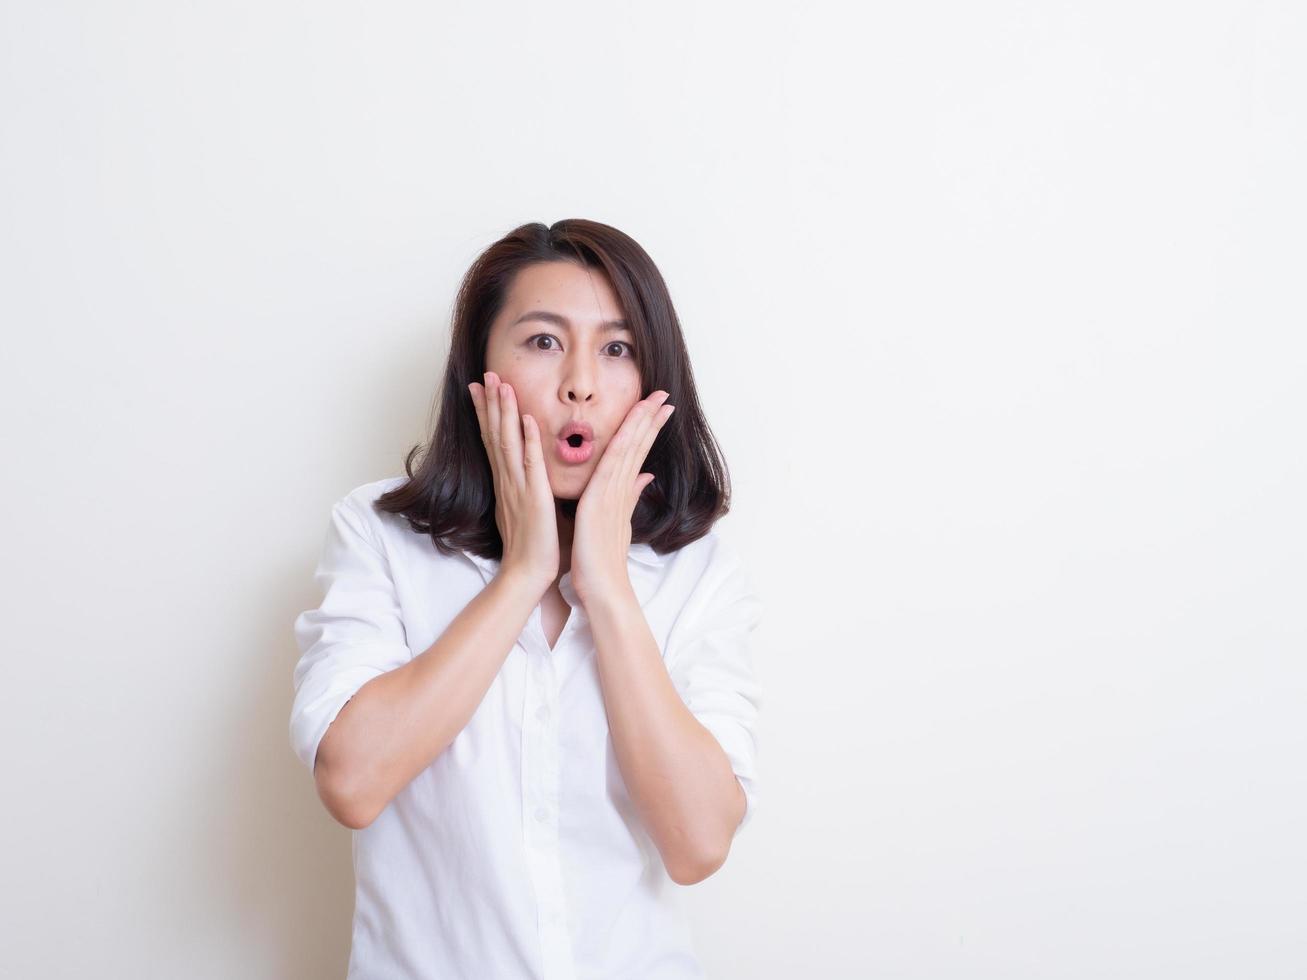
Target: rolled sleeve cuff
(315, 709)
(738, 744)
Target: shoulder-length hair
(451, 494)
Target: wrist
(614, 600)
(520, 584)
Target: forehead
(583, 297)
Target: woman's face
(551, 343)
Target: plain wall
(997, 310)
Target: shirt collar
(641, 553)
(645, 555)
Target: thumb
(637, 488)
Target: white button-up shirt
(518, 853)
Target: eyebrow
(562, 321)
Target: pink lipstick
(576, 442)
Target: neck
(565, 516)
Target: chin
(569, 483)
(565, 489)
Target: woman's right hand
(524, 501)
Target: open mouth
(575, 448)
(577, 444)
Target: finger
(479, 403)
(648, 414)
(640, 456)
(646, 419)
(629, 432)
(483, 398)
(656, 423)
(642, 481)
(533, 456)
(510, 433)
(653, 423)
(492, 411)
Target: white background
(997, 310)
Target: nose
(578, 381)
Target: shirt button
(542, 712)
(541, 814)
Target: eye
(550, 337)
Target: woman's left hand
(601, 537)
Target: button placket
(541, 798)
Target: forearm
(399, 722)
(677, 774)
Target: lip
(578, 426)
(577, 454)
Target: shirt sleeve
(355, 634)
(712, 669)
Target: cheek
(526, 389)
(628, 393)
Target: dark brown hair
(451, 496)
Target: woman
(528, 686)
